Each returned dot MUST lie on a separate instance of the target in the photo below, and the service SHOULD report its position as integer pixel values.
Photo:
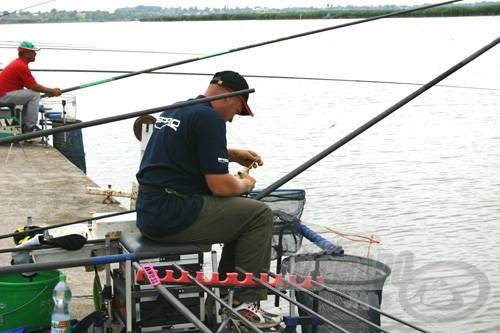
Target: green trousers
(244, 226)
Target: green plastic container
(27, 302)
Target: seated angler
(186, 193)
(17, 76)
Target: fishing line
(36, 5)
(283, 180)
(95, 122)
(216, 54)
(58, 48)
(265, 77)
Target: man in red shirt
(17, 76)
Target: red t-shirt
(16, 76)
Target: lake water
(425, 181)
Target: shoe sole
(270, 325)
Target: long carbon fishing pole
(328, 302)
(372, 122)
(91, 261)
(354, 299)
(106, 120)
(41, 229)
(241, 48)
(47, 246)
(35, 5)
(219, 300)
(292, 301)
(69, 127)
(283, 77)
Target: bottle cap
(62, 277)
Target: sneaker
(31, 129)
(260, 318)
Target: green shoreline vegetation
(154, 13)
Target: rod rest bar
(231, 279)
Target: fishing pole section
(106, 120)
(280, 77)
(251, 46)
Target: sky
(111, 5)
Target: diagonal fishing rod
(328, 302)
(47, 246)
(241, 48)
(219, 300)
(35, 5)
(292, 301)
(284, 77)
(299, 169)
(106, 120)
(70, 127)
(344, 295)
(41, 229)
(354, 299)
(373, 121)
(91, 261)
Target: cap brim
(246, 109)
(28, 49)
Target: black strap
(150, 188)
(70, 242)
(155, 188)
(88, 321)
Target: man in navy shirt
(186, 193)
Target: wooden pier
(38, 181)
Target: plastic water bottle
(60, 315)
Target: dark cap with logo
(234, 81)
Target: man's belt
(154, 188)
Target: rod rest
(136, 243)
(231, 280)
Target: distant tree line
(155, 13)
(482, 10)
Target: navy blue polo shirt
(186, 144)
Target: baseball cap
(234, 81)
(25, 45)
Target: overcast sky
(111, 5)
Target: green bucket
(27, 302)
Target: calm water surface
(424, 181)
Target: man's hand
(250, 181)
(55, 92)
(246, 158)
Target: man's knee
(266, 214)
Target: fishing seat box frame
(140, 307)
(10, 120)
